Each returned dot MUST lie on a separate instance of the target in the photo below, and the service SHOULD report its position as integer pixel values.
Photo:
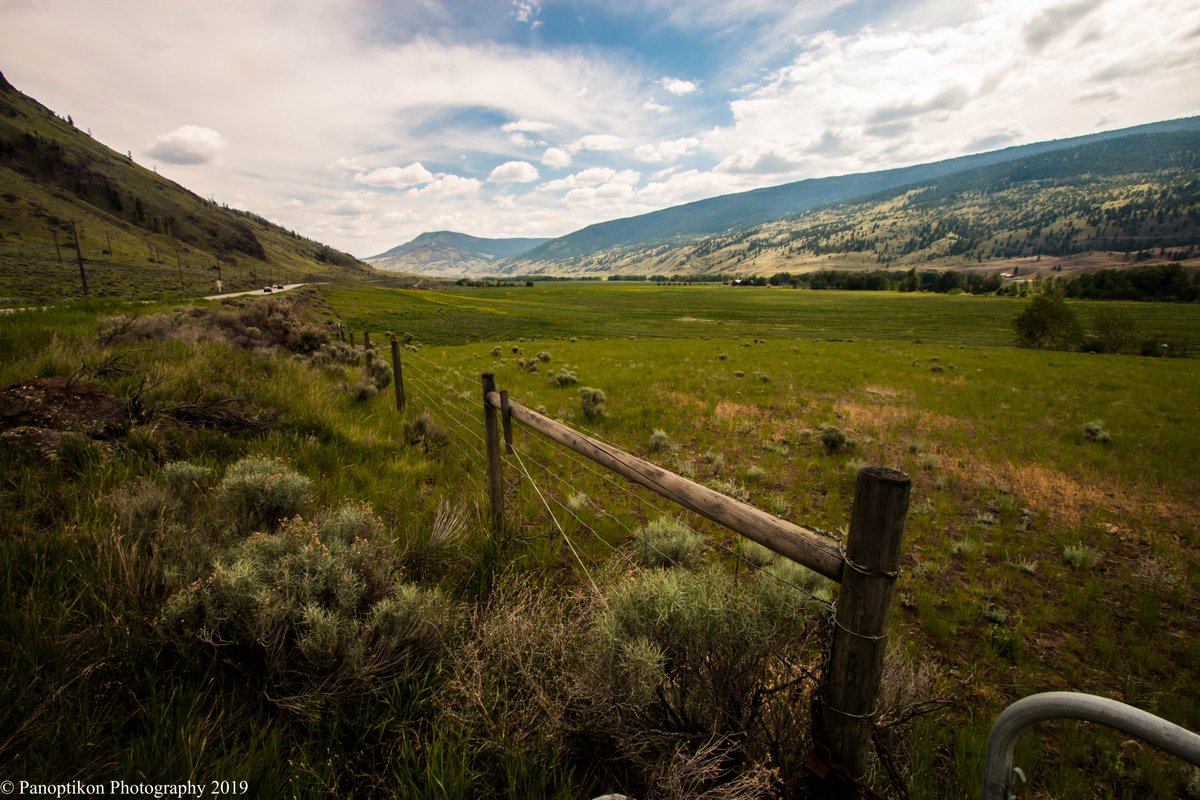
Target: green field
(1038, 554)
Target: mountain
(609, 246)
(139, 234)
(451, 253)
(1107, 203)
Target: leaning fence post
(848, 698)
(398, 375)
(492, 437)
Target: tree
(1047, 322)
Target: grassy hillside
(1125, 195)
(451, 253)
(140, 234)
(231, 555)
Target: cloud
(952, 98)
(189, 144)
(652, 105)
(598, 141)
(514, 172)
(396, 177)
(994, 138)
(667, 151)
(556, 157)
(527, 11)
(749, 161)
(1054, 22)
(677, 86)
(528, 126)
(1109, 95)
(594, 176)
(446, 185)
(521, 140)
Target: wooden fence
(846, 700)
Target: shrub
(326, 620)
(666, 542)
(1095, 432)
(564, 377)
(659, 441)
(425, 431)
(833, 439)
(694, 651)
(259, 492)
(754, 554)
(731, 488)
(722, 356)
(543, 356)
(379, 371)
(1047, 322)
(496, 351)
(1112, 331)
(592, 402)
(186, 481)
(364, 390)
(754, 474)
(1081, 557)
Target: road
(255, 291)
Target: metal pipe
(1012, 722)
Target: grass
(1005, 482)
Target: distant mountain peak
(451, 253)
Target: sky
(362, 123)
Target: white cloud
(556, 157)
(527, 11)
(667, 151)
(678, 86)
(396, 177)
(446, 185)
(521, 140)
(603, 142)
(514, 172)
(652, 105)
(591, 177)
(189, 144)
(528, 126)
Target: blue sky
(363, 123)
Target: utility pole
(54, 233)
(110, 250)
(179, 265)
(79, 255)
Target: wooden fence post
(366, 341)
(492, 434)
(847, 699)
(79, 256)
(398, 375)
(506, 418)
(351, 340)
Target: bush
(666, 542)
(425, 431)
(1112, 331)
(1047, 322)
(564, 377)
(259, 492)
(1081, 557)
(186, 481)
(833, 439)
(694, 651)
(326, 620)
(592, 402)
(379, 371)
(364, 390)
(659, 441)
(496, 351)
(1095, 432)
(543, 356)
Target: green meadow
(1051, 543)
